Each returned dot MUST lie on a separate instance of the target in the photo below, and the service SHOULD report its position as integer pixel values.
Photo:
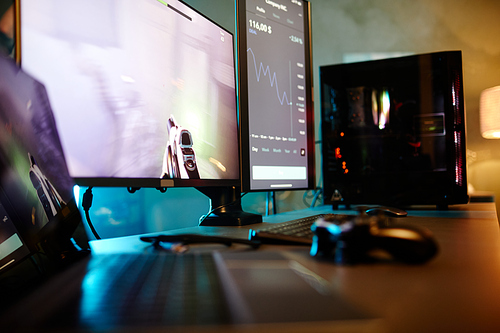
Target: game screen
(139, 88)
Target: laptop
(37, 205)
(218, 291)
(206, 288)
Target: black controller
(355, 241)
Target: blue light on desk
(116, 213)
(93, 303)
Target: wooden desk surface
(457, 291)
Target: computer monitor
(275, 94)
(144, 94)
(38, 212)
(393, 131)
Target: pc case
(393, 131)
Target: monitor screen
(393, 131)
(143, 91)
(37, 206)
(275, 94)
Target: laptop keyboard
(166, 289)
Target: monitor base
(225, 208)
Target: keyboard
(167, 289)
(295, 231)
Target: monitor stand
(225, 208)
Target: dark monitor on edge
(393, 131)
(275, 94)
(38, 212)
(144, 94)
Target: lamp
(489, 112)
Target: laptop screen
(37, 203)
(12, 247)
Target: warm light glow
(375, 107)
(337, 153)
(489, 112)
(386, 107)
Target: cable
(314, 195)
(271, 201)
(86, 204)
(319, 192)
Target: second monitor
(275, 94)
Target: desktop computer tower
(393, 131)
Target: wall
(340, 28)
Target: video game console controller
(355, 241)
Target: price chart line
(266, 71)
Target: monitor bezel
(153, 182)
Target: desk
(458, 291)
